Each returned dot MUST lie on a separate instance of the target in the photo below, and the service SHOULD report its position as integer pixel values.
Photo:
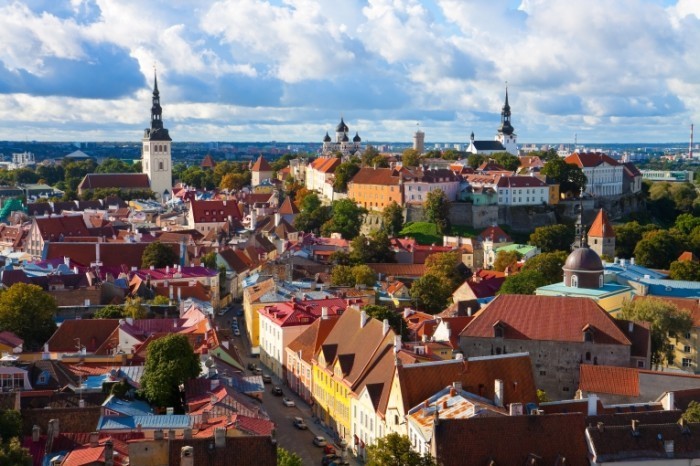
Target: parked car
(288, 403)
(320, 441)
(236, 332)
(251, 366)
(330, 460)
(299, 423)
(257, 371)
(329, 450)
(267, 378)
(277, 390)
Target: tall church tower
(156, 158)
(506, 133)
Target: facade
(260, 172)
(604, 174)
(156, 157)
(522, 190)
(320, 172)
(206, 216)
(53, 228)
(376, 188)
(342, 143)
(420, 182)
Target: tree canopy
(410, 158)
(685, 270)
(553, 237)
(667, 321)
(346, 219)
(570, 177)
(628, 235)
(158, 255)
(28, 312)
(343, 174)
(312, 213)
(371, 249)
(431, 293)
(110, 311)
(506, 259)
(437, 210)
(288, 458)
(657, 249)
(170, 362)
(395, 450)
(508, 161)
(392, 216)
(394, 317)
(525, 282)
(549, 264)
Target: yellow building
(252, 301)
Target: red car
(329, 450)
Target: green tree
(552, 238)
(375, 248)
(657, 249)
(570, 177)
(312, 214)
(170, 362)
(475, 160)
(160, 300)
(209, 260)
(667, 321)
(549, 264)
(686, 223)
(692, 412)
(685, 270)
(25, 175)
(431, 293)
(372, 158)
(628, 235)
(437, 210)
(10, 424)
(343, 174)
(395, 318)
(410, 158)
(364, 275)
(392, 216)
(112, 165)
(506, 259)
(28, 312)
(12, 453)
(508, 161)
(287, 458)
(134, 309)
(525, 282)
(110, 311)
(158, 255)
(346, 219)
(234, 181)
(341, 275)
(448, 267)
(395, 450)
(341, 257)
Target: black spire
(156, 132)
(506, 127)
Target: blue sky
(285, 70)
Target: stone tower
(156, 160)
(601, 236)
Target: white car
(288, 403)
(236, 332)
(320, 441)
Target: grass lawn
(422, 232)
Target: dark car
(266, 378)
(251, 366)
(277, 390)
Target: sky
(287, 70)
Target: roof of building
(518, 181)
(549, 318)
(609, 379)
(56, 227)
(10, 339)
(583, 259)
(261, 165)
(555, 439)
(488, 145)
(115, 180)
(377, 176)
(91, 334)
(398, 270)
(687, 256)
(208, 162)
(147, 422)
(601, 226)
(496, 234)
(111, 254)
(238, 451)
(288, 207)
(215, 211)
(325, 164)
(590, 159)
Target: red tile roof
(496, 234)
(288, 207)
(688, 256)
(55, 227)
(548, 318)
(311, 339)
(398, 270)
(601, 227)
(520, 182)
(91, 332)
(609, 379)
(378, 176)
(111, 254)
(325, 164)
(208, 162)
(261, 165)
(215, 211)
(590, 159)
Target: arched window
(160, 165)
(574, 281)
(588, 355)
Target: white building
(522, 190)
(505, 141)
(604, 174)
(418, 183)
(320, 172)
(342, 142)
(156, 157)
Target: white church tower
(156, 158)
(506, 133)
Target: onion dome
(357, 138)
(342, 127)
(326, 138)
(345, 138)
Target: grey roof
(489, 145)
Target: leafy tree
(395, 318)
(25, 175)
(437, 210)
(552, 238)
(549, 264)
(282, 162)
(160, 300)
(312, 214)
(364, 275)
(506, 259)
(448, 267)
(395, 450)
(371, 249)
(209, 260)
(343, 174)
(525, 282)
(449, 154)
(170, 362)
(346, 219)
(12, 453)
(111, 311)
(667, 321)
(112, 165)
(287, 458)
(508, 161)
(159, 255)
(431, 293)
(686, 223)
(28, 312)
(657, 249)
(570, 177)
(51, 174)
(628, 235)
(410, 158)
(234, 181)
(134, 309)
(341, 257)
(685, 270)
(392, 216)
(371, 158)
(198, 177)
(10, 424)
(341, 275)
(475, 160)
(692, 412)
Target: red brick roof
(549, 318)
(520, 182)
(115, 180)
(601, 227)
(111, 254)
(609, 379)
(325, 164)
(398, 270)
(288, 207)
(208, 162)
(687, 256)
(239, 451)
(496, 234)
(261, 165)
(311, 339)
(92, 333)
(590, 159)
(52, 228)
(378, 176)
(215, 211)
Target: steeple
(156, 110)
(506, 127)
(580, 240)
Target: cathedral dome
(342, 127)
(345, 138)
(583, 260)
(357, 138)
(326, 138)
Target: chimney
(171, 434)
(36, 433)
(205, 417)
(635, 426)
(186, 456)
(324, 313)
(138, 427)
(385, 326)
(109, 453)
(498, 393)
(407, 313)
(54, 427)
(153, 267)
(630, 326)
(453, 391)
(592, 404)
(187, 433)
(669, 401)
(167, 269)
(278, 218)
(220, 437)
(45, 354)
(469, 311)
(158, 434)
(515, 409)
(397, 343)
(363, 319)
(457, 386)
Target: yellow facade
(332, 398)
(554, 194)
(686, 347)
(252, 321)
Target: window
(574, 281)
(160, 165)
(687, 362)
(686, 349)
(543, 373)
(588, 355)
(640, 364)
(498, 331)
(687, 335)
(588, 336)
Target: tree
(158, 255)
(343, 174)
(667, 321)
(549, 264)
(13, 453)
(410, 158)
(686, 223)
(134, 309)
(628, 235)
(508, 161)
(112, 165)
(431, 293)
(170, 362)
(392, 216)
(287, 458)
(364, 275)
(341, 275)
(657, 249)
(111, 311)
(395, 318)
(474, 160)
(234, 181)
(346, 219)
(28, 312)
(10, 424)
(160, 300)
(209, 260)
(525, 282)
(371, 249)
(552, 238)
(312, 214)
(685, 270)
(570, 177)
(437, 210)
(506, 259)
(448, 267)
(395, 450)
(692, 412)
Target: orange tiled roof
(609, 379)
(601, 227)
(590, 159)
(261, 165)
(688, 256)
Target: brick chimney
(186, 456)
(498, 392)
(220, 437)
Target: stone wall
(69, 419)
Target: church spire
(506, 128)
(156, 110)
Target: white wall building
(604, 174)
(522, 190)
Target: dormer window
(588, 335)
(498, 330)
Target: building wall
(417, 192)
(332, 401)
(273, 341)
(157, 164)
(555, 364)
(523, 196)
(299, 376)
(604, 180)
(257, 178)
(395, 419)
(375, 196)
(367, 426)
(602, 246)
(686, 349)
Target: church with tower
(156, 159)
(342, 143)
(505, 141)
